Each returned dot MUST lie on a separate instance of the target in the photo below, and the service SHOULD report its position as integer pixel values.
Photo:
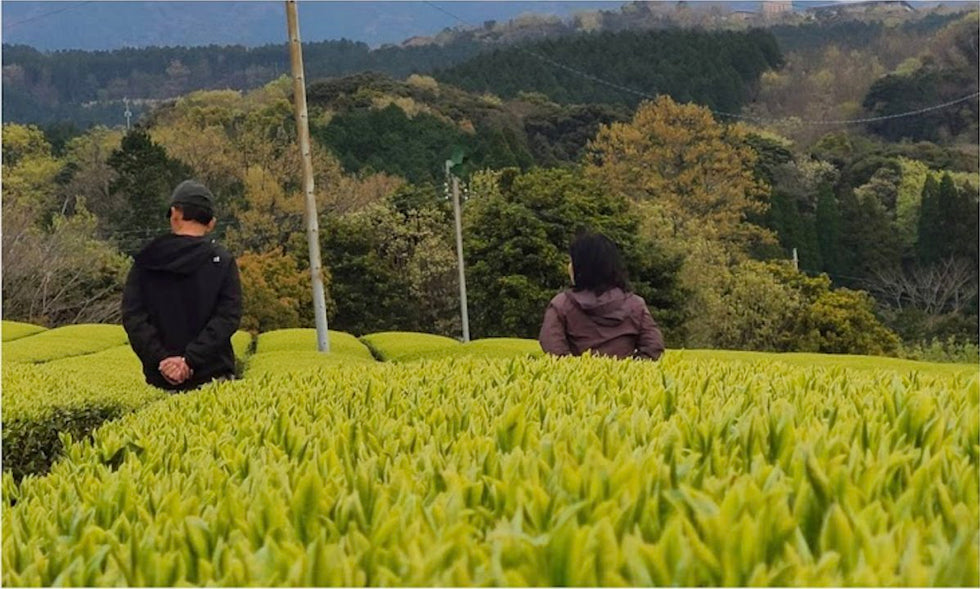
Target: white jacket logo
(216, 259)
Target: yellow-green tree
(276, 292)
(29, 172)
(693, 181)
(696, 174)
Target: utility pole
(128, 114)
(303, 133)
(796, 260)
(459, 251)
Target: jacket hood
(609, 308)
(178, 254)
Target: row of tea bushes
(520, 471)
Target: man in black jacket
(183, 299)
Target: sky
(102, 25)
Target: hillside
(410, 128)
(87, 87)
(108, 26)
(717, 69)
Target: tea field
(411, 459)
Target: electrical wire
(7, 26)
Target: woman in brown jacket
(599, 313)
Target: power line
(910, 113)
(647, 95)
(45, 14)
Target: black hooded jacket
(183, 298)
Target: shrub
(71, 340)
(73, 396)
(304, 340)
(395, 346)
(518, 472)
(15, 330)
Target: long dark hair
(597, 263)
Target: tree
(276, 292)
(30, 172)
(772, 307)
(909, 199)
(699, 174)
(947, 286)
(59, 274)
(393, 269)
(89, 175)
(714, 68)
(967, 235)
(828, 229)
(957, 220)
(145, 177)
(928, 245)
(948, 71)
(517, 231)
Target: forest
(708, 207)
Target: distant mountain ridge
(88, 87)
(102, 26)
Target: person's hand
(175, 370)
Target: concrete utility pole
(303, 133)
(459, 252)
(128, 114)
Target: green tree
(968, 223)
(30, 173)
(930, 234)
(276, 292)
(698, 174)
(145, 177)
(518, 229)
(956, 218)
(949, 222)
(828, 229)
(393, 268)
(772, 307)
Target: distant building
(774, 8)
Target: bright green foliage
(304, 340)
(68, 396)
(570, 471)
(71, 340)
(72, 396)
(830, 361)
(296, 361)
(491, 347)
(15, 330)
(395, 346)
(241, 343)
(400, 346)
(494, 347)
(770, 306)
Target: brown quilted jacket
(615, 323)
